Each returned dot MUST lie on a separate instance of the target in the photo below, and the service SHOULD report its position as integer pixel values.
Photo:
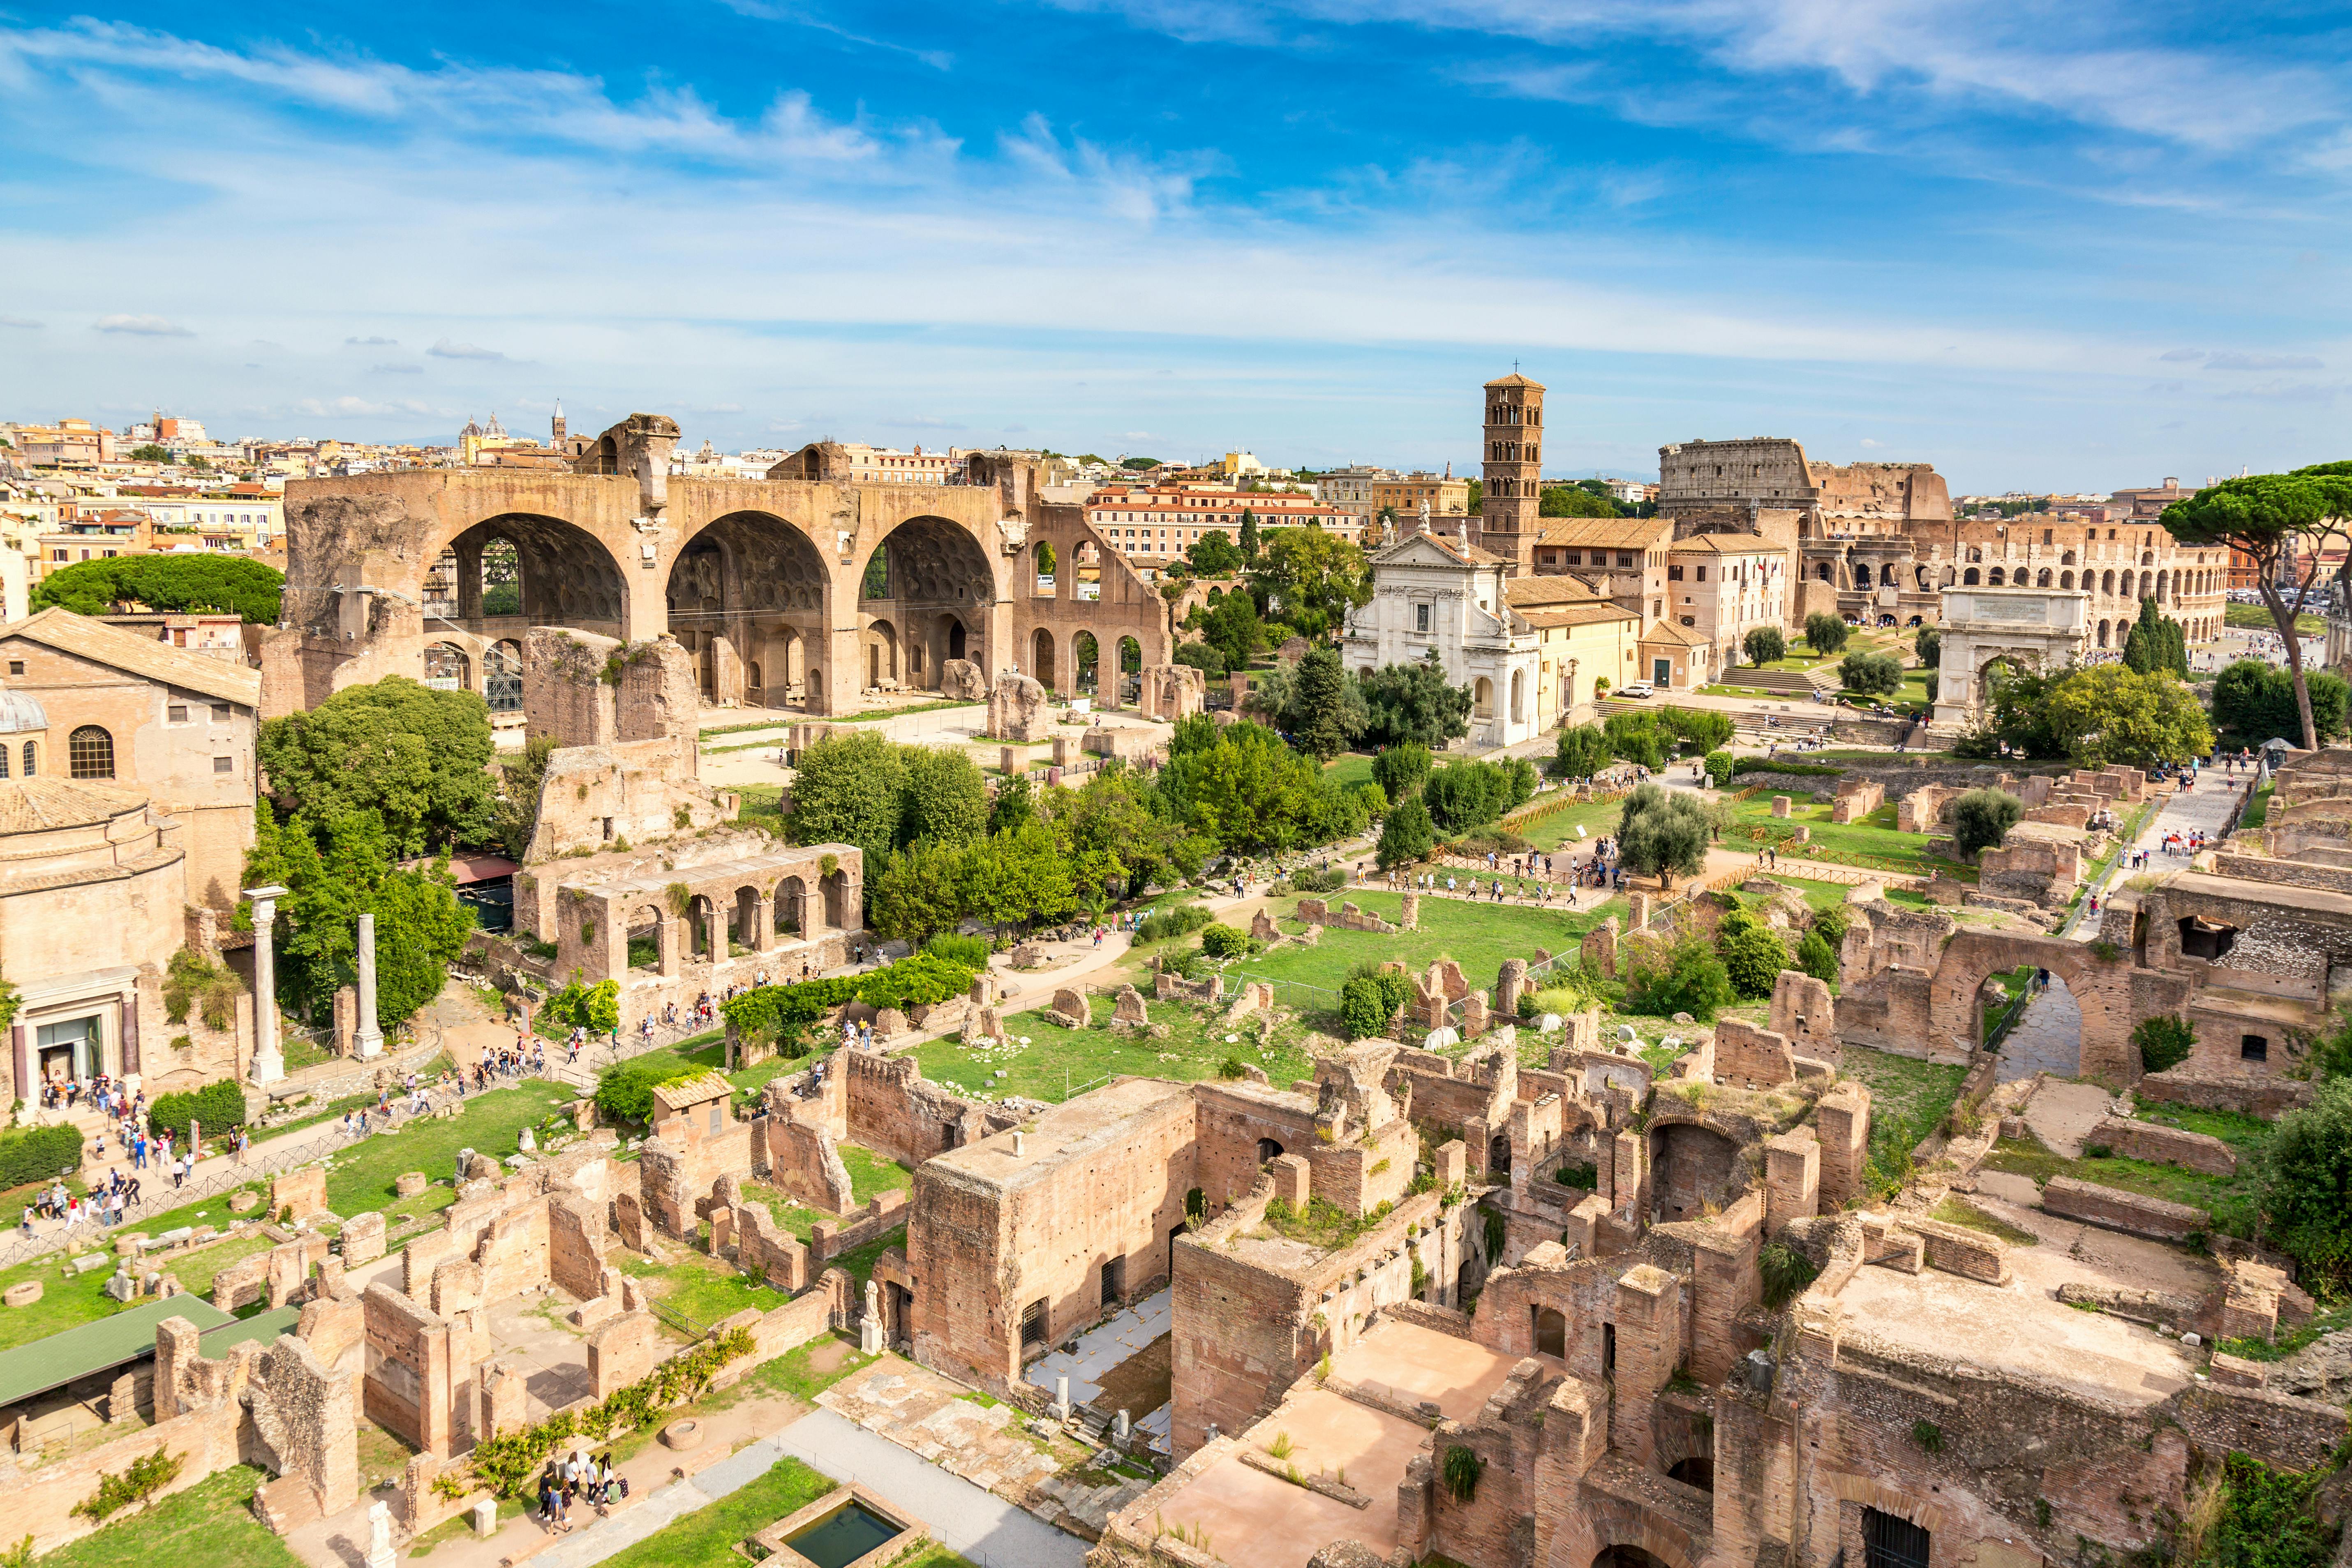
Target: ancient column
(269, 1062)
(369, 1039)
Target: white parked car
(1637, 688)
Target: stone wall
(2115, 1209)
(2162, 1145)
(2248, 1094)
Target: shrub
(1407, 835)
(1817, 958)
(1688, 977)
(1231, 1069)
(1364, 1011)
(595, 1008)
(1402, 769)
(1825, 633)
(1785, 1272)
(1981, 817)
(41, 1154)
(1460, 1471)
(916, 982)
(2164, 1041)
(1313, 881)
(198, 985)
(1753, 955)
(218, 1106)
(1221, 941)
(1718, 768)
(145, 1475)
(971, 952)
(1830, 924)
(1528, 1006)
(1177, 920)
(1584, 1177)
(624, 1091)
(1928, 1435)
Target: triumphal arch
(2031, 628)
(803, 590)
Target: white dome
(20, 713)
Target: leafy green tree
(1249, 541)
(1872, 674)
(419, 759)
(1234, 629)
(1753, 953)
(1983, 817)
(848, 789)
(1825, 633)
(917, 891)
(1015, 803)
(1764, 644)
(1307, 569)
(2107, 713)
(1477, 496)
(2254, 702)
(1663, 833)
(1407, 835)
(1213, 555)
(1465, 795)
(1718, 768)
(1928, 647)
(2272, 520)
(1119, 814)
(228, 585)
(1570, 500)
(2165, 1040)
(1402, 769)
(1209, 660)
(1582, 751)
(1519, 781)
(1018, 877)
(1705, 728)
(944, 799)
(149, 452)
(1249, 792)
(2304, 1178)
(1325, 712)
(334, 872)
(1363, 1007)
(1413, 702)
(1639, 738)
(1370, 798)
(2016, 713)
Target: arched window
(90, 753)
(31, 758)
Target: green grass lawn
(1057, 1062)
(1560, 829)
(704, 1288)
(2258, 810)
(2230, 1199)
(872, 1175)
(706, 1538)
(2256, 617)
(210, 1525)
(69, 1300)
(1873, 843)
(491, 1123)
(1349, 769)
(1907, 1098)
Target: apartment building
(1166, 519)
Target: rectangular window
(177, 713)
(1033, 1323)
(1673, 573)
(15, 667)
(220, 712)
(1698, 575)
(1421, 618)
(224, 765)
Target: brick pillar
(470, 588)
(667, 937)
(1290, 1174)
(763, 927)
(1723, 1285)
(1649, 1347)
(1792, 1177)
(1627, 1182)
(1842, 1124)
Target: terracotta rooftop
(699, 1089)
(39, 804)
(1666, 631)
(86, 637)
(1608, 532)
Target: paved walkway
(981, 1526)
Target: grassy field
(1058, 1062)
(1349, 769)
(2258, 810)
(210, 1525)
(1560, 829)
(2230, 1199)
(2256, 619)
(1907, 1098)
(492, 1121)
(1875, 842)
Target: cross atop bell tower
(1510, 498)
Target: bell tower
(1508, 508)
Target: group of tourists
(103, 1206)
(569, 1479)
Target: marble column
(369, 1039)
(269, 1061)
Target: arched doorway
(542, 570)
(933, 582)
(879, 651)
(1085, 656)
(1040, 658)
(1626, 1557)
(644, 939)
(1269, 1148)
(2047, 1036)
(446, 668)
(502, 676)
(1499, 1156)
(1482, 698)
(1518, 697)
(753, 582)
(1129, 691)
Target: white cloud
(371, 342)
(445, 349)
(24, 323)
(2231, 360)
(395, 370)
(2182, 356)
(141, 326)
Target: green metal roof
(75, 1353)
(263, 1328)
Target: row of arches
(1075, 669)
(2164, 586)
(748, 921)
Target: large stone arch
(935, 577)
(2113, 993)
(758, 585)
(569, 576)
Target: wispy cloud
(23, 323)
(447, 348)
(371, 342)
(2234, 361)
(395, 369)
(141, 327)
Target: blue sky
(2040, 246)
